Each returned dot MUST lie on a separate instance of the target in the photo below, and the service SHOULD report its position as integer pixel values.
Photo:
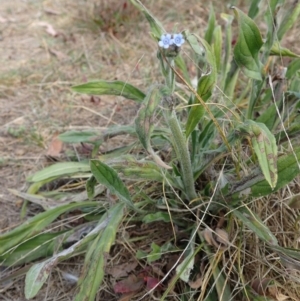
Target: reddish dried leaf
(55, 147)
(49, 28)
(60, 55)
(128, 285)
(153, 283)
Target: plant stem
(182, 152)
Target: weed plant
(202, 149)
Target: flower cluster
(167, 40)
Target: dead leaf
(260, 286)
(197, 283)
(127, 297)
(55, 147)
(222, 237)
(2, 20)
(281, 297)
(153, 283)
(51, 11)
(49, 28)
(60, 55)
(128, 285)
(121, 270)
(218, 238)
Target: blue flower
(165, 41)
(178, 39)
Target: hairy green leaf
(36, 224)
(264, 145)
(109, 178)
(118, 88)
(247, 47)
(96, 258)
(79, 136)
(59, 169)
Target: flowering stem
(170, 78)
(182, 152)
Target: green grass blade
(118, 88)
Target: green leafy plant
(219, 144)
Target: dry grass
(37, 70)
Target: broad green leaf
(211, 26)
(118, 88)
(79, 136)
(205, 85)
(254, 223)
(59, 169)
(36, 224)
(156, 27)
(281, 51)
(289, 19)
(95, 260)
(264, 145)
(35, 278)
(110, 179)
(248, 45)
